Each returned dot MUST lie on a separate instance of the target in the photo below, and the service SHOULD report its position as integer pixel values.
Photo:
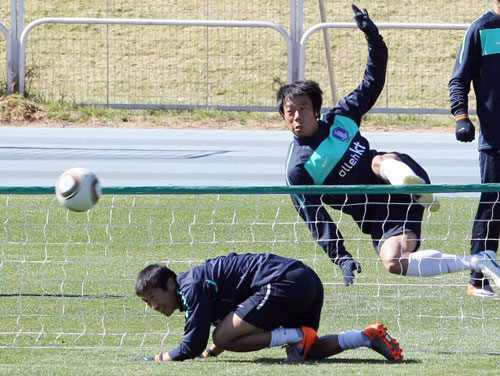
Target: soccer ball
(78, 189)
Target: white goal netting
(67, 279)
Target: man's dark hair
(307, 87)
(153, 276)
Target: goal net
(67, 279)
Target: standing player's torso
(488, 28)
(487, 81)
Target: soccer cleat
(383, 343)
(427, 200)
(484, 292)
(297, 352)
(486, 263)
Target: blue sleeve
(198, 304)
(465, 70)
(362, 99)
(324, 231)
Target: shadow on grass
(324, 361)
(455, 353)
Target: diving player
(331, 151)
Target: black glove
(465, 130)
(348, 267)
(365, 24)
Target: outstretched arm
(197, 299)
(326, 233)
(362, 99)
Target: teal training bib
(490, 41)
(332, 149)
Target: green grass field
(67, 302)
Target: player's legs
(398, 169)
(325, 346)
(374, 336)
(391, 176)
(399, 256)
(486, 227)
(395, 227)
(395, 252)
(283, 312)
(235, 334)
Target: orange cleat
(484, 292)
(297, 352)
(383, 343)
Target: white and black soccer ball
(78, 189)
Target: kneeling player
(255, 301)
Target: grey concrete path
(153, 157)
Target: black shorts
(295, 300)
(398, 214)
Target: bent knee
(395, 265)
(220, 339)
(377, 161)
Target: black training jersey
(210, 291)
(478, 61)
(338, 155)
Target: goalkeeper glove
(348, 266)
(465, 130)
(365, 24)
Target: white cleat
(486, 263)
(427, 200)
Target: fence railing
(382, 25)
(296, 41)
(144, 22)
(6, 33)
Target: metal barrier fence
(382, 26)
(8, 53)
(197, 63)
(147, 22)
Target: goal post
(67, 279)
(328, 53)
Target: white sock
(282, 336)
(353, 339)
(395, 171)
(430, 263)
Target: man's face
(164, 301)
(300, 117)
